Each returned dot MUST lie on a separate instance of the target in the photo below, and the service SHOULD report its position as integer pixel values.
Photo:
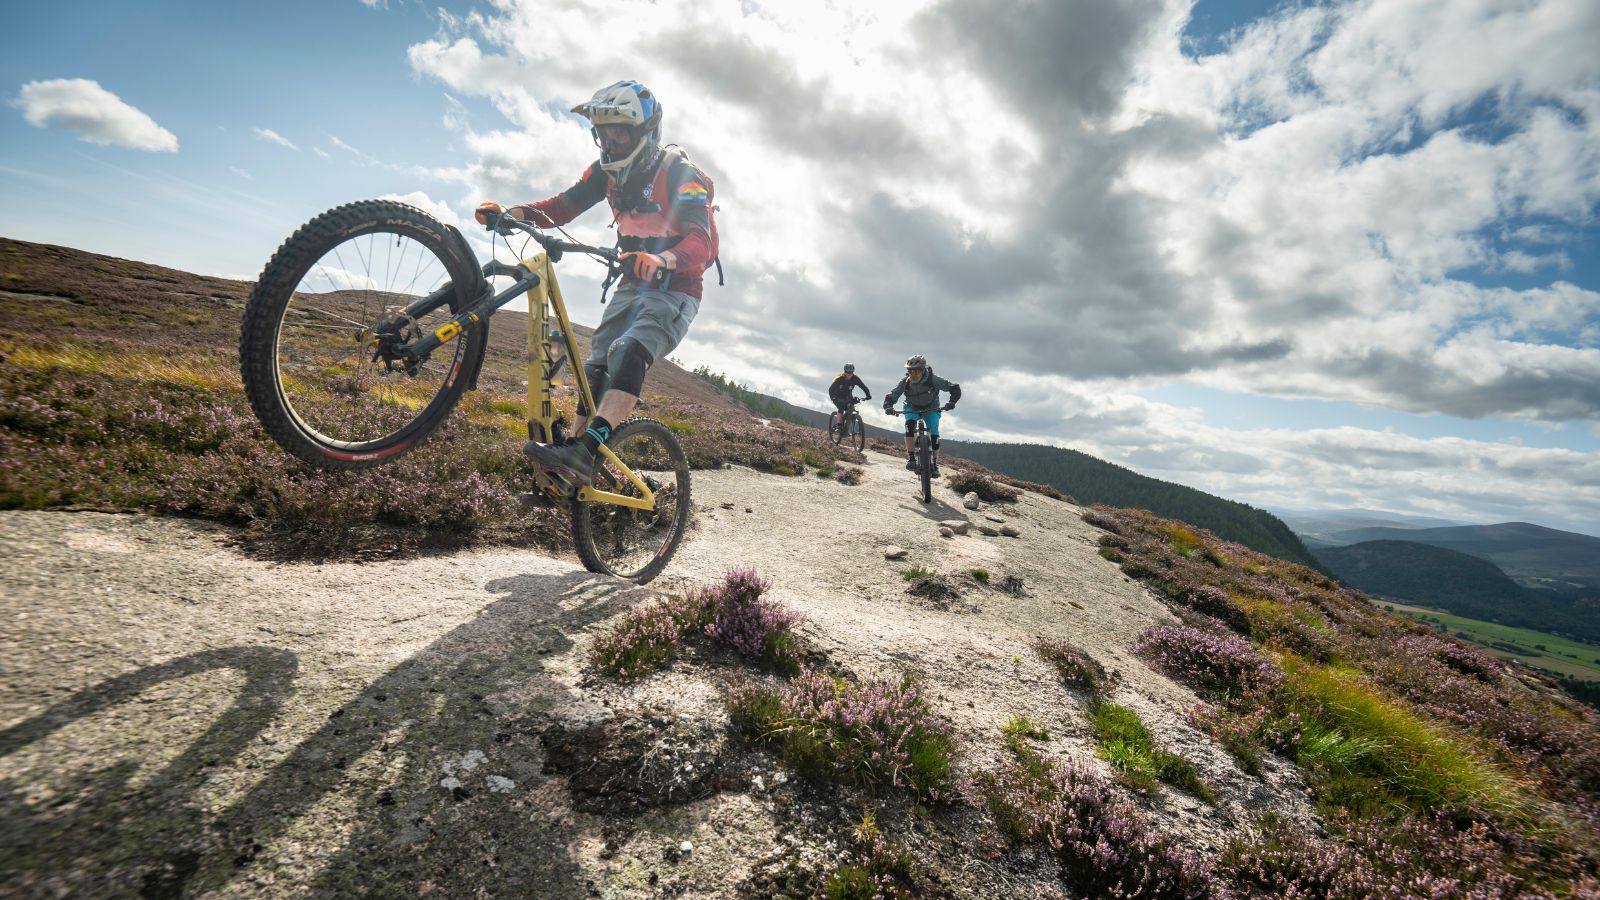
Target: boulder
(959, 526)
(892, 552)
(970, 501)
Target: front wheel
(858, 433)
(635, 544)
(311, 353)
(835, 427)
(925, 466)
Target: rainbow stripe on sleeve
(692, 192)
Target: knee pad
(596, 376)
(627, 361)
(911, 427)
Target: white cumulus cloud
(96, 115)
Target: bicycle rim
(631, 543)
(329, 383)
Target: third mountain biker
(921, 390)
(661, 203)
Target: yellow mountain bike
(369, 323)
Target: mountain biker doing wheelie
(842, 390)
(666, 235)
(921, 390)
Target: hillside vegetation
(120, 390)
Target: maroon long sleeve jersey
(671, 211)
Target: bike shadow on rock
(421, 782)
(935, 510)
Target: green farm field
(1562, 656)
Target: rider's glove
(888, 409)
(487, 212)
(646, 266)
(949, 406)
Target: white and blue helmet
(625, 103)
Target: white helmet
(624, 103)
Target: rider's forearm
(693, 253)
(544, 213)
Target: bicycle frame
(536, 277)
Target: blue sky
(1332, 254)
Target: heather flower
(872, 732)
(732, 613)
(1105, 845)
(756, 628)
(1207, 660)
(1075, 667)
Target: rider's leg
(932, 419)
(596, 375)
(911, 440)
(656, 321)
(620, 314)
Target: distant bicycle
(847, 425)
(922, 455)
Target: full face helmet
(916, 365)
(625, 121)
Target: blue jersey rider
(921, 390)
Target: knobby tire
(259, 351)
(596, 526)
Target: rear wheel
(307, 351)
(835, 427)
(925, 465)
(635, 544)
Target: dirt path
(179, 720)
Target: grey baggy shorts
(657, 319)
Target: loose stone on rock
(1009, 531)
(959, 526)
(992, 517)
(893, 552)
(989, 530)
(970, 501)
(946, 531)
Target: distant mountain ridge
(1466, 585)
(1565, 562)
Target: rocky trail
(179, 719)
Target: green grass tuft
(1127, 744)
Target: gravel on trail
(179, 719)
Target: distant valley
(1513, 573)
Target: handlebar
(505, 224)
